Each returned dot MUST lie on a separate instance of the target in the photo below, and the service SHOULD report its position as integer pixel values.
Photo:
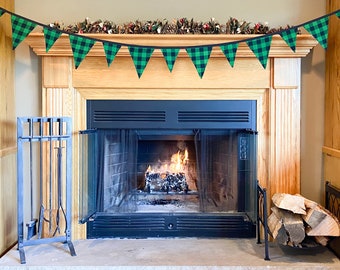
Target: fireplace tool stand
(44, 164)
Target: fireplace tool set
(42, 167)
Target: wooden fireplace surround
(276, 90)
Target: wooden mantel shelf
(278, 48)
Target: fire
(177, 164)
(179, 160)
(168, 176)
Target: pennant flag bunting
(319, 30)
(81, 45)
(229, 51)
(80, 48)
(170, 56)
(199, 56)
(111, 50)
(51, 36)
(140, 57)
(289, 36)
(20, 29)
(260, 47)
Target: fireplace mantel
(279, 47)
(276, 90)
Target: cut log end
(295, 218)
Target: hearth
(153, 168)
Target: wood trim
(218, 74)
(331, 148)
(332, 80)
(8, 201)
(331, 151)
(278, 48)
(8, 150)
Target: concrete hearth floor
(167, 254)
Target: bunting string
(140, 54)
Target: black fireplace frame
(161, 118)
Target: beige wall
(276, 13)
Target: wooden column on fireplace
(276, 90)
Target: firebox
(169, 168)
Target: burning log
(295, 218)
(168, 182)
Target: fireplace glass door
(138, 175)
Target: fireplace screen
(128, 172)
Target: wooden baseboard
(8, 249)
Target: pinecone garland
(179, 26)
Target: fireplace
(169, 168)
(276, 90)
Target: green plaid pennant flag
(20, 29)
(51, 36)
(80, 48)
(170, 56)
(289, 36)
(229, 51)
(199, 56)
(2, 12)
(319, 30)
(260, 47)
(140, 57)
(111, 50)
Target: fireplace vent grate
(171, 114)
(213, 116)
(130, 116)
(170, 225)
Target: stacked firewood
(294, 219)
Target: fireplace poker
(42, 207)
(32, 224)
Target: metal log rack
(44, 175)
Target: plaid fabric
(229, 51)
(170, 56)
(80, 47)
(20, 29)
(260, 47)
(319, 30)
(111, 50)
(1, 12)
(338, 14)
(51, 37)
(199, 56)
(140, 57)
(289, 36)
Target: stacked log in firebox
(294, 219)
